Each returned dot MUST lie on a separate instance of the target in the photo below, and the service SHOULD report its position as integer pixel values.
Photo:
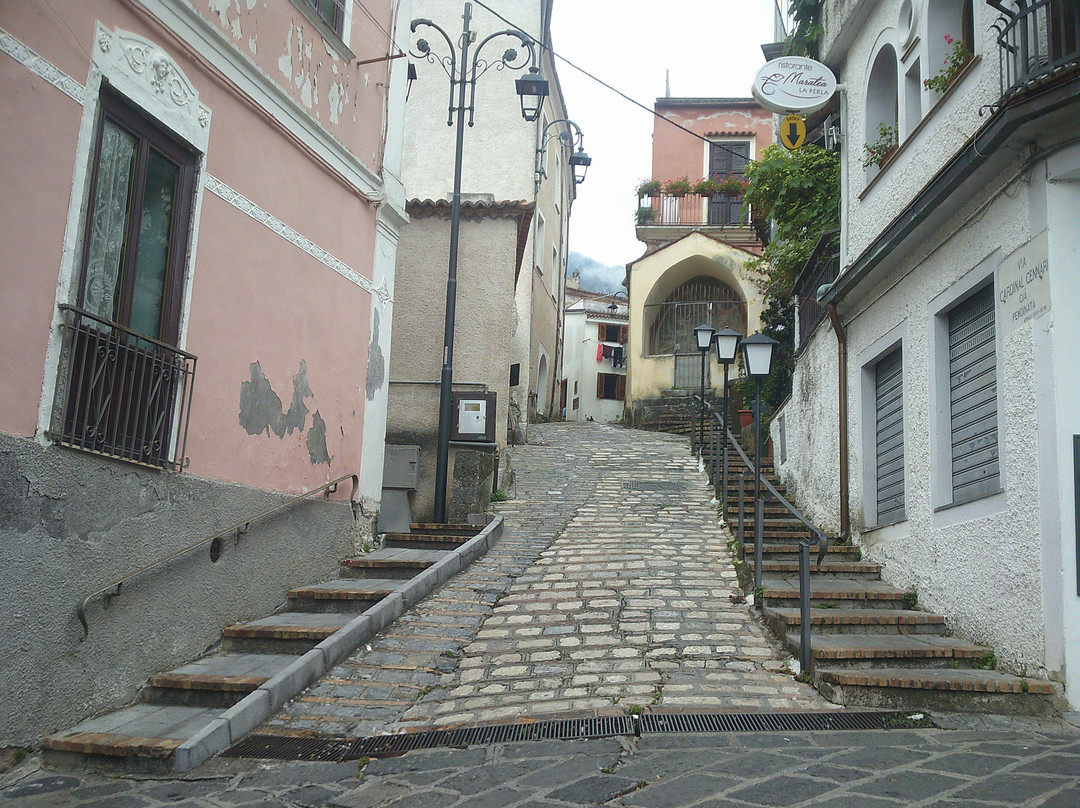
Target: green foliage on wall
(805, 38)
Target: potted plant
(648, 188)
(679, 187)
(645, 214)
(876, 153)
(956, 60)
(707, 186)
(733, 186)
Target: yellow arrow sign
(792, 132)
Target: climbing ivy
(799, 192)
(805, 38)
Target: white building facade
(594, 360)
(938, 371)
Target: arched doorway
(541, 384)
(670, 324)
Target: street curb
(258, 706)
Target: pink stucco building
(197, 242)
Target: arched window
(882, 106)
(670, 322)
(950, 25)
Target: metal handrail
(823, 540)
(112, 590)
(805, 651)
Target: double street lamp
(757, 359)
(532, 89)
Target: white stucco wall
(582, 339)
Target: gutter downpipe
(841, 354)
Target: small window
(577, 401)
(611, 386)
(331, 12)
(973, 397)
(609, 332)
(515, 374)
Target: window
(727, 159)
(611, 386)
(330, 11)
(609, 332)
(120, 377)
(515, 374)
(889, 437)
(973, 397)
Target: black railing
(719, 474)
(121, 394)
(692, 210)
(1035, 39)
(820, 270)
(114, 589)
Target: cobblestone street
(612, 586)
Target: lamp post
(579, 160)
(532, 89)
(703, 334)
(757, 358)
(726, 342)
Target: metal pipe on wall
(841, 353)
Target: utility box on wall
(473, 416)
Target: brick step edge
(967, 680)
(204, 681)
(110, 745)
(837, 617)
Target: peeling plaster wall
(70, 523)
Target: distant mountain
(595, 277)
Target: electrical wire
(615, 90)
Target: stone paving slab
(1013, 762)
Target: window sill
(922, 124)
(882, 525)
(962, 502)
(327, 33)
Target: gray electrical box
(401, 467)
(473, 416)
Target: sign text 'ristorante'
(794, 84)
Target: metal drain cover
(280, 747)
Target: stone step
(424, 541)
(838, 591)
(939, 689)
(284, 633)
(219, 680)
(142, 737)
(787, 620)
(448, 529)
(343, 595)
(391, 562)
(860, 569)
(786, 551)
(881, 651)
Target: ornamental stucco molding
(246, 206)
(40, 66)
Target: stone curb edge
(258, 706)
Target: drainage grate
(654, 486)
(764, 722)
(278, 747)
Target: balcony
(121, 394)
(664, 218)
(1037, 40)
(820, 271)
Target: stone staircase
(184, 715)
(871, 644)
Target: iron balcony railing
(692, 210)
(1036, 38)
(820, 271)
(718, 473)
(120, 393)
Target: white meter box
(473, 416)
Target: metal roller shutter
(890, 438)
(973, 397)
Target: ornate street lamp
(463, 74)
(703, 334)
(579, 160)
(757, 359)
(726, 343)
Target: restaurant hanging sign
(793, 84)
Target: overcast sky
(712, 49)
